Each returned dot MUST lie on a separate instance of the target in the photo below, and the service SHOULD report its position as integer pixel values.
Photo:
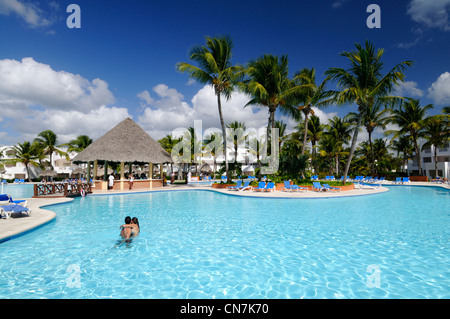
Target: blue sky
(122, 61)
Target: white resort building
(428, 162)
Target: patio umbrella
(48, 173)
(205, 168)
(79, 170)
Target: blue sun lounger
(6, 199)
(329, 188)
(245, 186)
(238, 184)
(260, 186)
(270, 187)
(287, 186)
(317, 187)
(8, 210)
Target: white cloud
(29, 82)
(408, 89)
(70, 124)
(34, 97)
(169, 111)
(29, 12)
(430, 13)
(439, 91)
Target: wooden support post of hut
(127, 142)
(95, 170)
(150, 174)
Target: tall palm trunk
(336, 161)
(372, 160)
(313, 145)
(28, 172)
(417, 151)
(353, 146)
(224, 134)
(305, 134)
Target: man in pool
(130, 228)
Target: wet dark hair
(136, 221)
(127, 220)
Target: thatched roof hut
(127, 142)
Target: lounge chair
(287, 186)
(361, 186)
(260, 186)
(7, 200)
(317, 187)
(397, 180)
(299, 188)
(270, 187)
(329, 188)
(406, 180)
(245, 186)
(8, 210)
(314, 178)
(236, 187)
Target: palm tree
(363, 83)
(168, 142)
(269, 85)
(214, 146)
(281, 126)
(215, 69)
(340, 130)
(404, 146)
(27, 154)
(373, 117)
(236, 136)
(380, 151)
(78, 144)
(446, 110)
(410, 116)
(311, 96)
(195, 145)
(48, 140)
(437, 133)
(315, 131)
(331, 147)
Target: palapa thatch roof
(126, 142)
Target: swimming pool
(17, 191)
(201, 244)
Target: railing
(64, 189)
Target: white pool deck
(12, 227)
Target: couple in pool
(130, 229)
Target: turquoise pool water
(17, 191)
(201, 244)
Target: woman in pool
(130, 228)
